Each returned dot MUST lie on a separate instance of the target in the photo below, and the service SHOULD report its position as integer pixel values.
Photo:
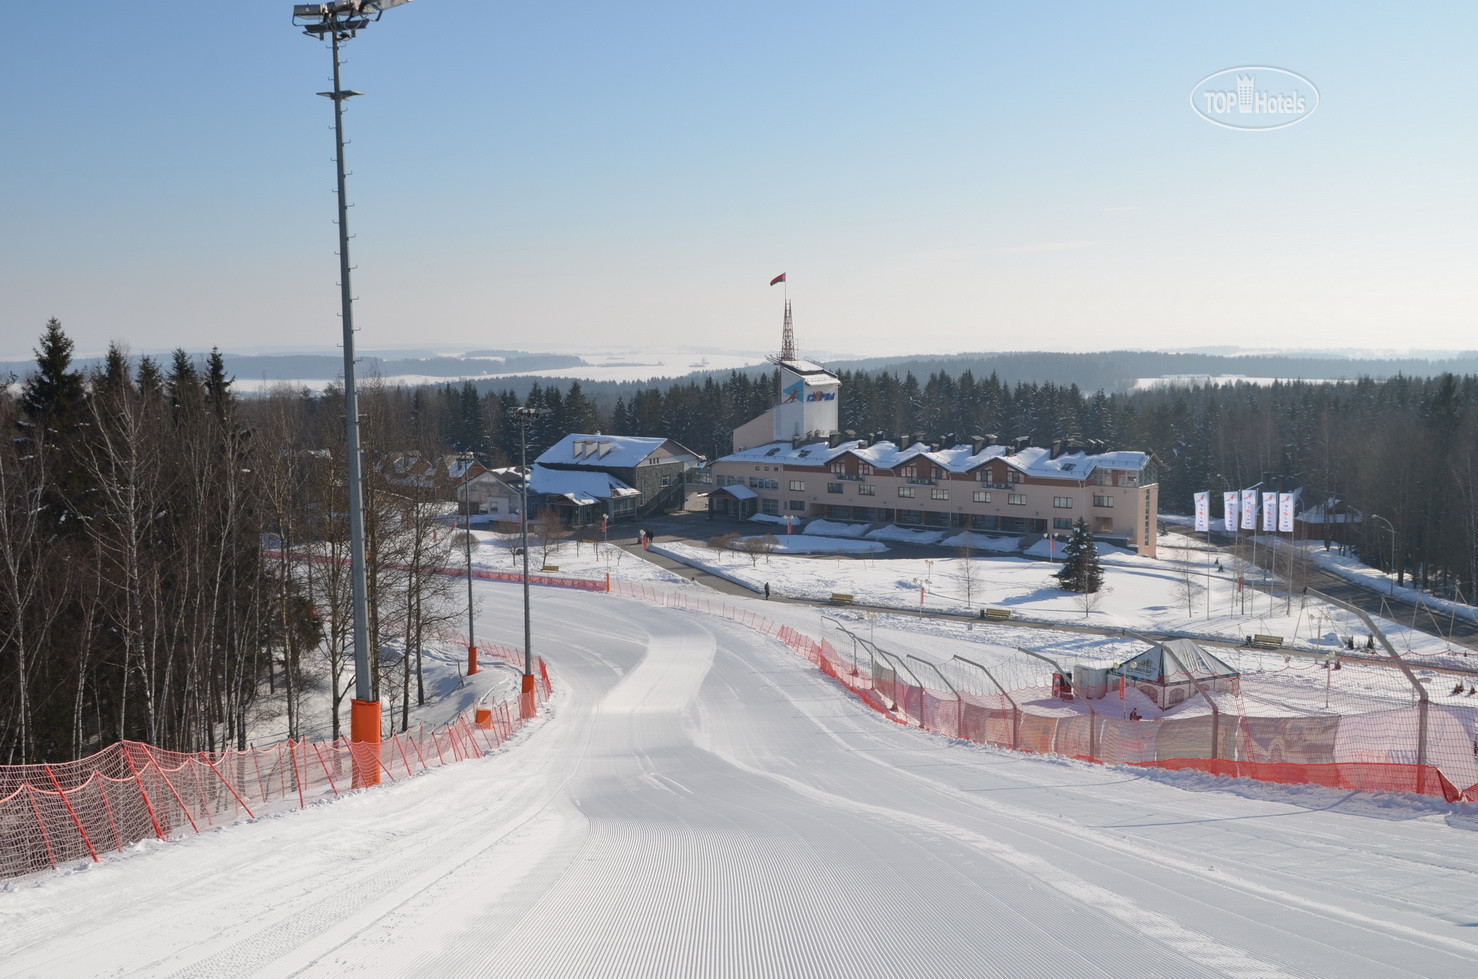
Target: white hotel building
(804, 467)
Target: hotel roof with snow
(1032, 461)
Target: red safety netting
(55, 814)
(1249, 727)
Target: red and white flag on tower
(778, 278)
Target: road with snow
(700, 802)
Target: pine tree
(1081, 569)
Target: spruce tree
(1081, 570)
(53, 395)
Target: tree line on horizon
(142, 504)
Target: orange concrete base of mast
(364, 737)
(471, 660)
(526, 705)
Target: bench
(995, 614)
(840, 598)
(550, 567)
(1265, 642)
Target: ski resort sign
(1254, 98)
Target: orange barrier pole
(41, 824)
(324, 765)
(471, 660)
(292, 757)
(70, 812)
(153, 818)
(231, 788)
(108, 808)
(364, 728)
(169, 785)
(526, 698)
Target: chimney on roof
(918, 436)
(1056, 448)
(1022, 441)
(977, 443)
(833, 440)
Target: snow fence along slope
(1421, 748)
(52, 815)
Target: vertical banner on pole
(1285, 513)
(1269, 512)
(1203, 511)
(1249, 509)
(1229, 511)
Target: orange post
(485, 718)
(471, 660)
(364, 732)
(526, 707)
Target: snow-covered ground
(1182, 592)
(700, 801)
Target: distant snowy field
(615, 364)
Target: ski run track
(698, 801)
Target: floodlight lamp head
(342, 17)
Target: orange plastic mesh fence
(1344, 723)
(52, 815)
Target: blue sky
(934, 178)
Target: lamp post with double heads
(467, 459)
(338, 22)
(526, 416)
(1376, 516)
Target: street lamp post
(467, 458)
(339, 21)
(526, 416)
(1376, 516)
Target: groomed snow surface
(699, 801)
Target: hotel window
(839, 467)
(938, 494)
(795, 505)
(1012, 476)
(1062, 523)
(867, 489)
(771, 507)
(864, 469)
(981, 496)
(938, 473)
(1062, 502)
(797, 485)
(906, 492)
(910, 472)
(1103, 501)
(833, 487)
(1016, 499)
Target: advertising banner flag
(1270, 512)
(1229, 511)
(1203, 511)
(1285, 512)
(1249, 509)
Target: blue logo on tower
(1254, 98)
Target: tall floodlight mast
(339, 22)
